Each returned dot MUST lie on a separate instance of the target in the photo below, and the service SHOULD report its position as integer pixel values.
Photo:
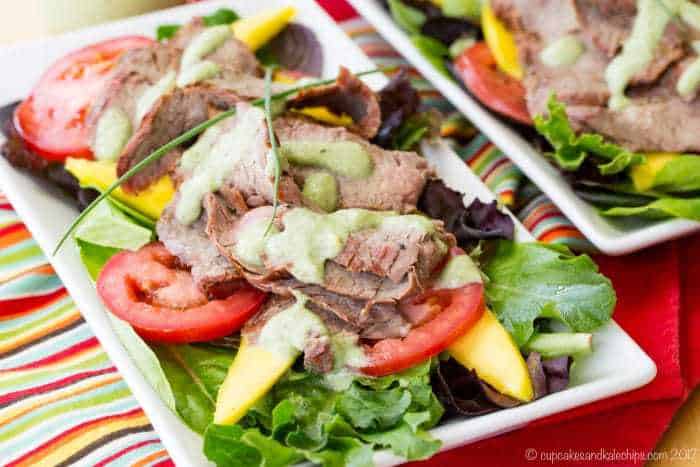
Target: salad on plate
(286, 270)
(606, 89)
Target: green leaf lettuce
(532, 280)
(301, 418)
(571, 150)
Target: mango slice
(501, 43)
(322, 114)
(644, 174)
(101, 174)
(489, 350)
(256, 31)
(251, 375)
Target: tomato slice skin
(162, 303)
(462, 308)
(501, 93)
(52, 119)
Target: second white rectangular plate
(616, 366)
(611, 236)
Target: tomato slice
(52, 119)
(160, 300)
(502, 93)
(451, 312)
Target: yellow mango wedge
(489, 350)
(501, 43)
(251, 375)
(644, 174)
(322, 114)
(101, 174)
(256, 31)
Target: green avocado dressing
(286, 333)
(322, 189)
(690, 78)
(563, 52)
(211, 168)
(309, 238)
(193, 67)
(690, 14)
(347, 355)
(250, 242)
(153, 93)
(345, 158)
(198, 72)
(203, 44)
(639, 48)
(112, 133)
(459, 271)
(199, 150)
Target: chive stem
(560, 344)
(273, 147)
(183, 138)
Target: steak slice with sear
(212, 272)
(347, 96)
(172, 115)
(376, 265)
(397, 177)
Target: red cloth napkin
(659, 306)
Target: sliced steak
(318, 353)
(380, 265)
(251, 174)
(211, 271)
(377, 321)
(349, 96)
(134, 73)
(233, 55)
(172, 115)
(395, 184)
(655, 115)
(240, 73)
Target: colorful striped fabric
(62, 401)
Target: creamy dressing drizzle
(690, 14)
(287, 333)
(690, 78)
(153, 93)
(199, 150)
(309, 239)
(563, 52)
(112, 133)
(347, 356)
(211, 168)
(205, 43)
(638, 50)
(345, 158)
(197, 72)
(321, 188)
(458, 272)
(114, 129)
(193, 67)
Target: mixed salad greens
(628, 160)
(325, 295)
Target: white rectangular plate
(618, 365)
(614, 236)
